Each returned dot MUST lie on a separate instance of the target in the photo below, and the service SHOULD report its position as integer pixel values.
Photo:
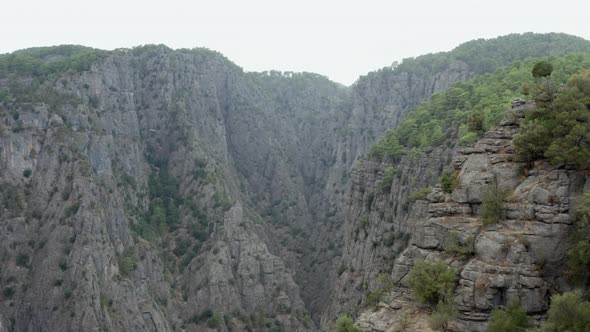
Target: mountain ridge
(153, 187)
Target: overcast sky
(337, 38)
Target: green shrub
(460, 248)
(578, 261)
(386, 284)
(215, 321)
(63, 265)
(385, 184)
(65, 195)
(374, 298)
(468, 139)
(568, 312)
(22, 260)
(449, 181)
(8, 292)
(27, 172)
(492, 206)
(509, 319)
(222, 201)
(363, 222)
(433, 282)
(420, 194)
(532, 140)
(345, 324)
(127, 263)
(388, 147)
(181, 247)
(578, 255)
(203, 316)
(199, 233)
(542, 69)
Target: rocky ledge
(521, 256)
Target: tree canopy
(470, 108)
(559, 127)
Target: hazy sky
(340, 39)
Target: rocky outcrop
(520, 257)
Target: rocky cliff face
(79, 250)
(159, 187)
(520, 257)
(246, 169)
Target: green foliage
(199, 170)
(163, 185)
(345, 324)
(578, 255)
(509, 319)
(475, 105)
(568, 313)
(476, 122)
(542, 69)
(215, 320)
(27, 172)
(533, 140)
(221, 200)
(388, 175)
(13, 198)
(202, 317)
(45, 61)
(420, 194)
(127, 263)
(449, 181)
(63, 265)
(559, 128)
(199, 231)
(163, 213)
(432, 282)
(468, 138)
(486, 55)
(181, 247)
(8, 292)
(362, 222)
(22, 260)
(456, 246)
(388, 147)
(571, 132)
(375, 296)
(492, 205)
(442, 315)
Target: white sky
(338, 38)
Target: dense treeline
(559, 126)
(44, 61)
(471, 107)
(499, 52)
